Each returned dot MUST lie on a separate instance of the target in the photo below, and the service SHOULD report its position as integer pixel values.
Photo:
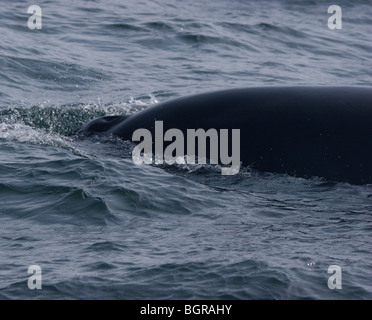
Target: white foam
(17, 132)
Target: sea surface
(101, 227)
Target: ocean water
(100, 227)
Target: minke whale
(303, 131)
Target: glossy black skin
(302, 131)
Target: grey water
(101, 227)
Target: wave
(61, 120)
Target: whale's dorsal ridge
(305, 131)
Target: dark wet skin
(302, 131)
